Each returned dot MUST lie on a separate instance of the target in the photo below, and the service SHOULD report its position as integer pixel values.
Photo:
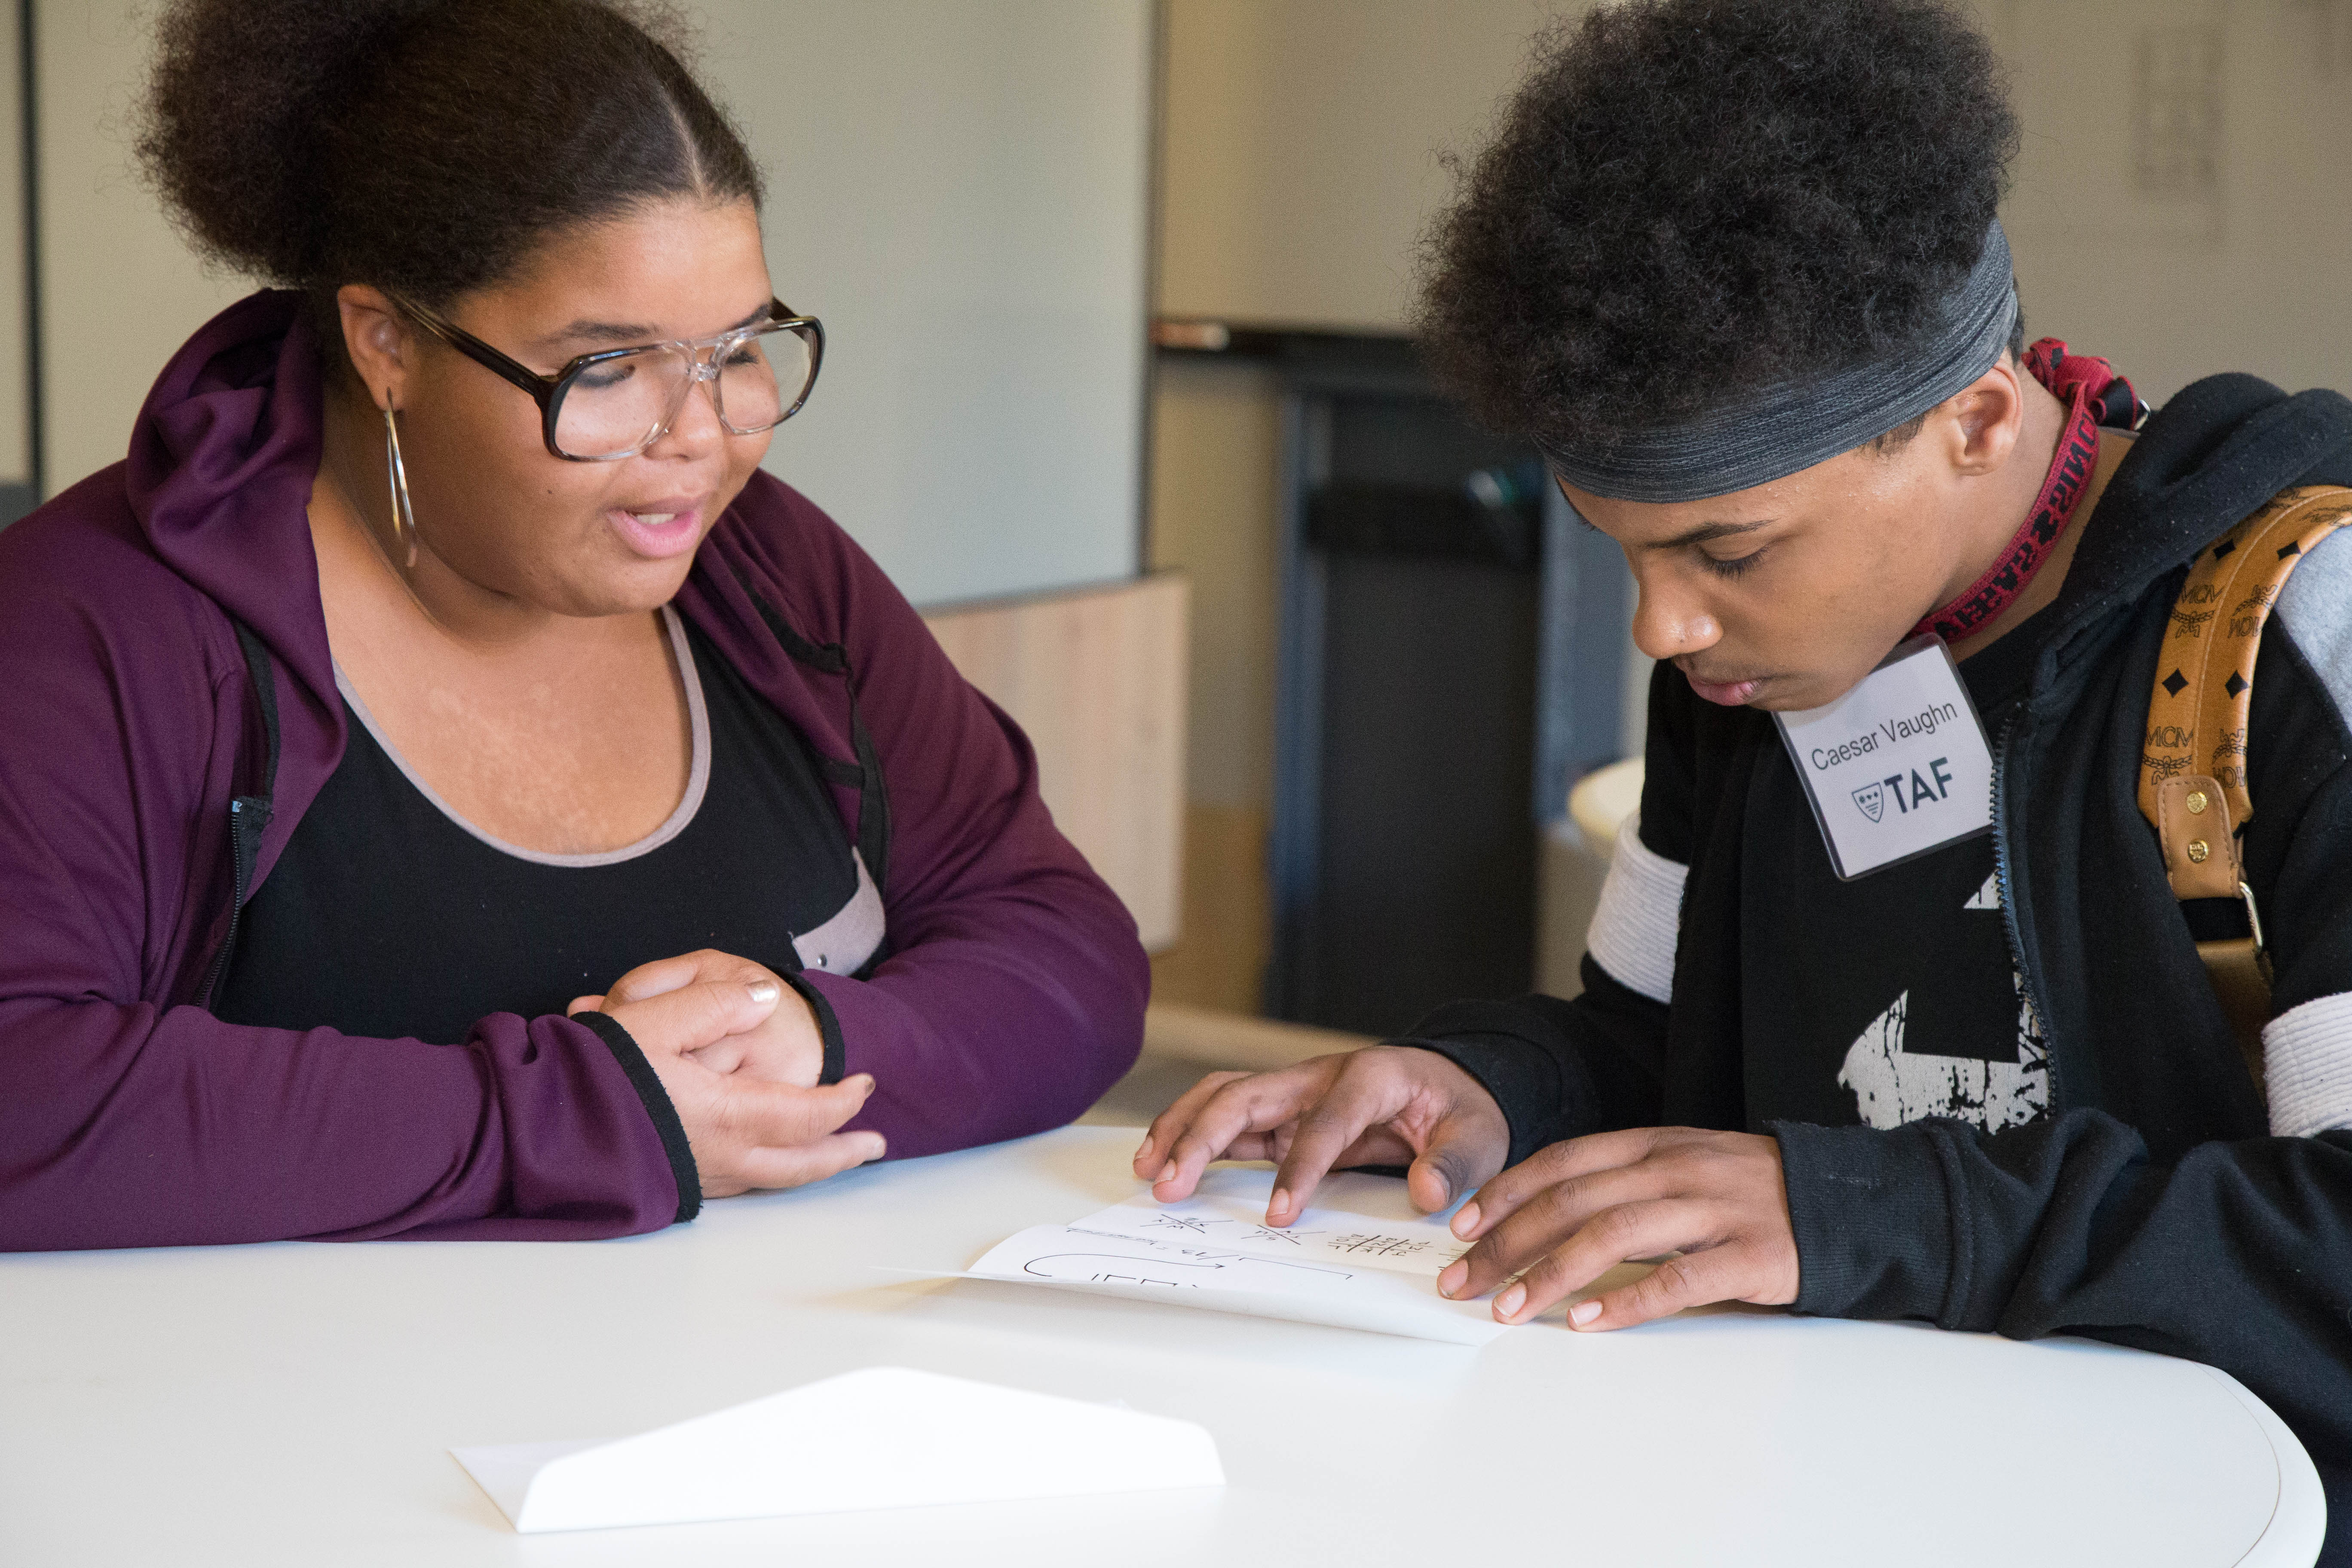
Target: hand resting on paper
(1568, 1213)
(745, 1131)
(1382, 1105)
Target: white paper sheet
(1362, 1258)
(882, 1438)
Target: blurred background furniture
(1452, 654)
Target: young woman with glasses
(447, 788)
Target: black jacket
(2153, 1206)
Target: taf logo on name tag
(1897, 766)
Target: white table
(291, 1404)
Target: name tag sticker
(1897, 767)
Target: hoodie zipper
(248, 815)
(2004, 885)
(249, 818)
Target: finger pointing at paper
(1382, 1105)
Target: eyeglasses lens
(615, 407)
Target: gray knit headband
(1793, 425)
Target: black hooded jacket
(2151, 1206)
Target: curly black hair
(1690, 199)
(424, 146)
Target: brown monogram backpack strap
(2192, 776)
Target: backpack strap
(2192, 778)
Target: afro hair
(1691, 199)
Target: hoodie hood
(2207, 460)
(219, 474)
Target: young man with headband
(1894, 1005)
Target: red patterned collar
(2095, 395)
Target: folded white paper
(1362, 1258)
(883, 1438)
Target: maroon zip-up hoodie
(1011, 996)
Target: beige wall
(2121, 248)
(15, 460)
(1303, 141)
(112, 270)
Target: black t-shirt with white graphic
(1892, 996)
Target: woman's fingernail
(1583, 1312)
(1465, 1219)
(862, 1083)
(763, 991)
(1507, 1304)
(1278, 1203)
(1166, 1172)
(1142, 1151)
(879, 1144)
(1451, 1281)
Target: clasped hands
(1713, 1205)
(739, 1053)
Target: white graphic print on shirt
(1892, 1085)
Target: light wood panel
(1097, 677)
(1228, 910)
(1180, 1044)
(1214, 1039)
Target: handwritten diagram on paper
(1356, 1220)
(1107, 1259)
(1362, 1258)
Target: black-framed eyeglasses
(615, 403)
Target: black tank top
(387, 917)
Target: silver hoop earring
(404, 516)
